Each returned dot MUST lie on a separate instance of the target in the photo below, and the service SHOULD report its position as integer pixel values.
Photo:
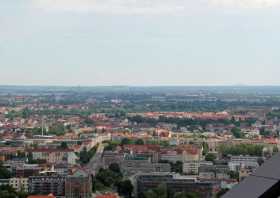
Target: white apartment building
(55, 155)
(19, 184)
(191, 167)
(243, 161)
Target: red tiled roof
(190, 149)
(41, 196)
(107, 196)
(142, 148)
(49, 150)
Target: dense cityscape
(139, 99)
(142, 142)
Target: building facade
(78, 185)
(146, 182)
(46, 184)
(19, 184)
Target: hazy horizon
(138, 85)
(140, 43)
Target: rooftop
(265, 182)
(42, 196)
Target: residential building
(19, 184)
(78, 185)
(174, 184)
(237, 162)
(55, 155)
(46, 184)
(27, 170)
(4, 182)
(209, 172)
(191, 167)
(61, 169)
(133, 164)
(182, 153)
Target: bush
(210, 157)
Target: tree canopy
(4, 172)
(210, 157)
(139, 142)
(7, 191)
(241, 149)
(236, 132)
(159, 192)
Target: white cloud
(247, 3)
(115, 6)
(148, 6)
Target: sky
(139, 42)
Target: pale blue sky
(139, 42)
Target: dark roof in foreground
(265, 182)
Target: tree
(150, 194)
(125, 188)
(275, 149)
(264, 132)
(139, 142)
(84, 157)
(260, 161)
(222, 192)
(236, 132)
(22, 194)
(64, 145)
(21, 154)
(89, 121)
(205, 148)
(7, 191)
(4, 172)
(125, 141)
(210, 157)
(186, 195)
(30, 159)
(108, 178)
(234, 175)
(98, 186)
(111, 145)
(159, 192)
(241, 149)
(115, 168)
(177, 167)
(26, 113)
(57, 129)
